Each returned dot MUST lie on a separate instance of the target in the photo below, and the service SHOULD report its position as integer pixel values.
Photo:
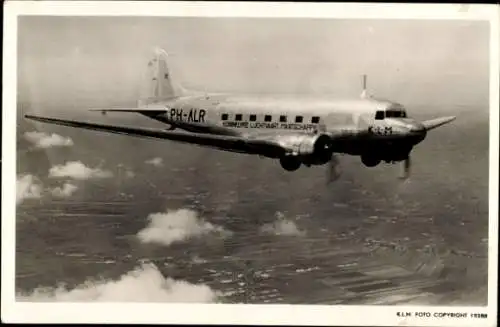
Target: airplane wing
(268, 148)
(159, 115)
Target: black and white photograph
(164, 158)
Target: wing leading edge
(229, 143)
(159, 115)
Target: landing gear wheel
(370, 161)
(290, 163)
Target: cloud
(65, 191)
(143, 284)
(155, 162)
(77, 170)
(27, 188)
(282, 226)
(44, 141)
(174, 226)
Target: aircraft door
(362, 120)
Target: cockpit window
(395, 114)
(379, 115)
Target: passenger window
(379, 115)
(299, 119)
(224, 116)
(315, 120)
(268, 118)
(282, 119)
(253, 117)
(238, 117)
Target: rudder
(159, 82)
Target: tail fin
(159, 84)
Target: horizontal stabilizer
(157, 111)
(433, 123)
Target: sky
(80, 61)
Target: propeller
(333, 169)
(405, 168)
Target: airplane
(296, 130)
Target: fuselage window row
(269, 118)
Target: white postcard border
(233, 313)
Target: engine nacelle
(305, 149)
(308, 145)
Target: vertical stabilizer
(159, 83)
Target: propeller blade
(333, 169)
(405, 168)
